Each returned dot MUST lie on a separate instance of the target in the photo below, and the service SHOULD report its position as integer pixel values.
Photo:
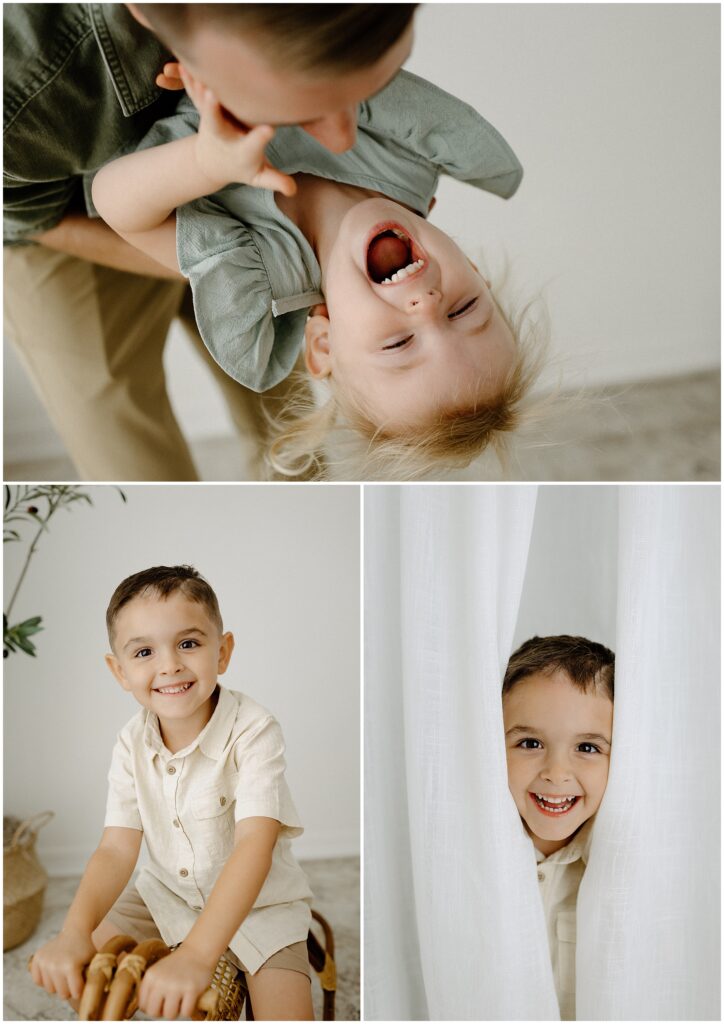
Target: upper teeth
(404, 272)
(179, 688)
(555, 799)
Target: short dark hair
(321, 37)
(164, 580)
(589, 666)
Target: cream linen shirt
(559, 876)
(187, 804)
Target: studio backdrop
(455, 579)
(284, 562)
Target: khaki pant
(92, 339)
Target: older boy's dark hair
(589, 666)
(321, 37)
(163, 580)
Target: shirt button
(183, 872)
(541, 876)
(176, 823)
(171, 770)
(222, 801)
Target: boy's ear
(316, 346)
(140, 18)
(115, 666)
(227, 646)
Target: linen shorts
(132, 917)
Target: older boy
(88, 312)
(198, 773)
(558, 717)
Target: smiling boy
(558, 719)
(198, 773)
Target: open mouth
(392, 256)
(174, 691)
(554, 806)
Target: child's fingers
(272, 179)
(170, 76)
(75, 983)
(188, 1006)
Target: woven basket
(25, 882)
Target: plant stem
(31, 552)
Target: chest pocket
(566, 935)
(213, 813)
(212, 803)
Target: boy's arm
(172, 986)
(58, 965)
(77, 235)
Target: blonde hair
(315, 439)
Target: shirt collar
(212, 739)
(132, 55)
(578, 848)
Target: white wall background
(284, 562)
(614, 112)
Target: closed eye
(464, 309)
(398, 344)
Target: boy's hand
(227, 151)
(171, 988)
(58, 965)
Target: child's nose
(424, 300)
(557, 771)
(171, 663)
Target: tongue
(386, 254)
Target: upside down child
(291, 248)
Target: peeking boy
(199, 773)
(558, 718)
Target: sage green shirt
(254, 275)
(79, 90)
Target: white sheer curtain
(648, 913)
(453, 923)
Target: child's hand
(227, 151)
(171, 988)
(170, 78)
(58, 965)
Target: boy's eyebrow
(146, 639)
(581, 735)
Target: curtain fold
(648, 908)
(453, 918)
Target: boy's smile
(168, 654)
(558, 744)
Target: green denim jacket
(79, 90)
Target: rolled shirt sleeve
(262, 789)
(122, 803)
